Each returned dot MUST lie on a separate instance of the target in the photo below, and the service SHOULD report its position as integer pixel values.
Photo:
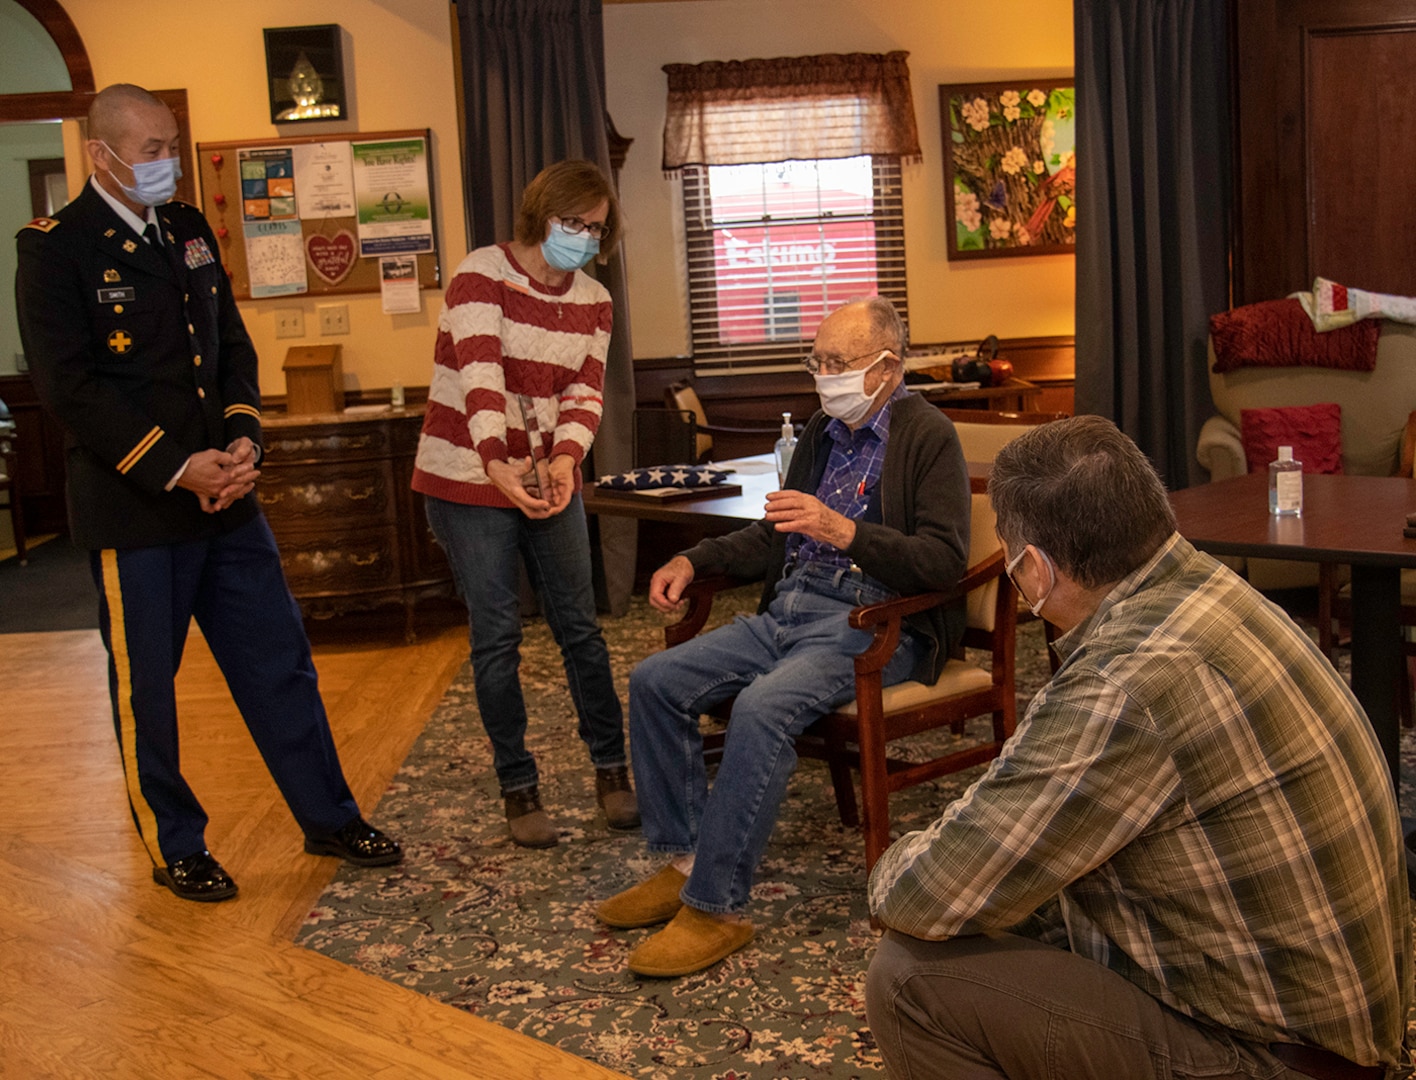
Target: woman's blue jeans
(484, 544)
(788, 667)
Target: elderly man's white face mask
(843, 396)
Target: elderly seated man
(875, 504)
(1186, 862)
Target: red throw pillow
(1278, 333)
(1314, 432)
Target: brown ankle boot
(530, 827)
(616, 797)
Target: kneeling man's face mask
(1036, 608)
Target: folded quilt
(1332, 306)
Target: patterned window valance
(793, 108)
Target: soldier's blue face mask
(154, 182)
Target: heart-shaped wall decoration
(332, 256)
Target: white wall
(32, 62)
(19, 143)
(29, 62)
(949, 41)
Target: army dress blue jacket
(141, 354)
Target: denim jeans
(788, 666)
(483, 544)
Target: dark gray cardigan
(914, 536)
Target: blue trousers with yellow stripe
(234, 587)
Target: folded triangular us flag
(1331, 305)
(663, 476)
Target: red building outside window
(774, 248)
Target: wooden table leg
(1377, 654)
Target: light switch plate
(334, 319)
(289, 322)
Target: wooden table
(735, 510)
(1346, 519)
(758, 478)
(679, 524)
(1012, 395)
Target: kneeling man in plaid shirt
(1187, 862)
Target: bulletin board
(334, 205)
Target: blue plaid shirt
(852, 471)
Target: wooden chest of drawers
(351, 531)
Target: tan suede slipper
(652, 901)
(693, 941)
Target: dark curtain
(1153, 221)
(533, 88)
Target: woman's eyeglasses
(597, 230)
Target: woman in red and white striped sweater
(514, 403)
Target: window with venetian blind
(791, 191)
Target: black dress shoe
(197, 877)
(358, 843)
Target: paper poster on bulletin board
(395, 207)
(315, 214)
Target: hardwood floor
(104, 974)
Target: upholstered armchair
(1375, 407)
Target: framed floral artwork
(1010, 167)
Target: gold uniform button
(213, 290)
(200, 392)
(117, 309)
(191, 329)
(197, 360)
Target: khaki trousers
(987, 1007)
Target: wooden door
(1325, 132)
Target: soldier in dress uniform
(135, 344)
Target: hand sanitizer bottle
(1285, 484)
(786, 446)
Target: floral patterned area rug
(510, 934)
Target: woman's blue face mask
(565, 250)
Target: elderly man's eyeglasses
(830, 365)
(597, 230)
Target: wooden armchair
(682, 396)
(859, 733)
(664, 437)
(982, 434)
